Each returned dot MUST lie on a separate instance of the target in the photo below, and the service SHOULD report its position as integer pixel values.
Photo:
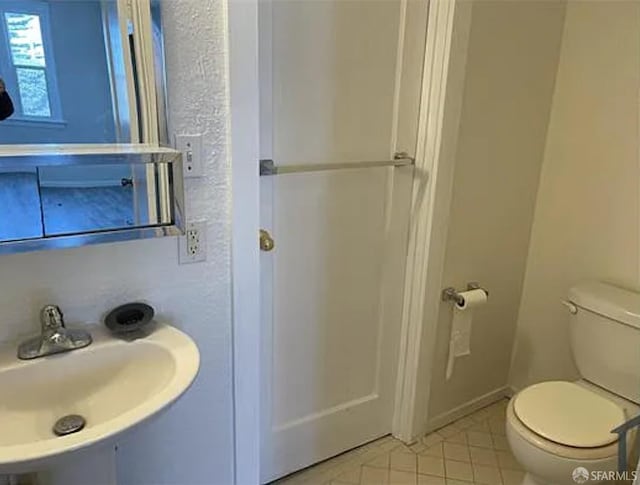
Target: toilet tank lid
(610, 301)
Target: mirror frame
(161, 161)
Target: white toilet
(555, 427)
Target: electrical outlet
(191, 148)
(192, 247)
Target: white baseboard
(25, 170)
(512, 391)
(79, 184)
(458, 412)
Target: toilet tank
(605, 337)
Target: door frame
(448, 27)
(442, 86)
(244, 127)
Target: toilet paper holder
(450, 293)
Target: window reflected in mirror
(65, 72)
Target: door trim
(245, 263)
(448, 26)
(441, 99)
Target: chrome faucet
(55, 337)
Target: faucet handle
(51, 317)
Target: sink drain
(69, 424)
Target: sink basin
(113, 384)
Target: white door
(340, 82)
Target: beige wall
(511, 67)
(587, 217)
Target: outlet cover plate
(191, 148)
(192, 246)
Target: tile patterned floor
(472, 450)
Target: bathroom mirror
(82, 121)
(64, 66)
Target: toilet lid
(568, 414)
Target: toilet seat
(517, 427)
(568, 414)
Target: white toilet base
(548, 464)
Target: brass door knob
(266, 241)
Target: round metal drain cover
(69, 424)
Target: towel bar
(268, 167)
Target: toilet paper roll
(460, 340)
(472, 299)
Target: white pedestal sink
(114, 384)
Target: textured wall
(192, 442)
(586, 219)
